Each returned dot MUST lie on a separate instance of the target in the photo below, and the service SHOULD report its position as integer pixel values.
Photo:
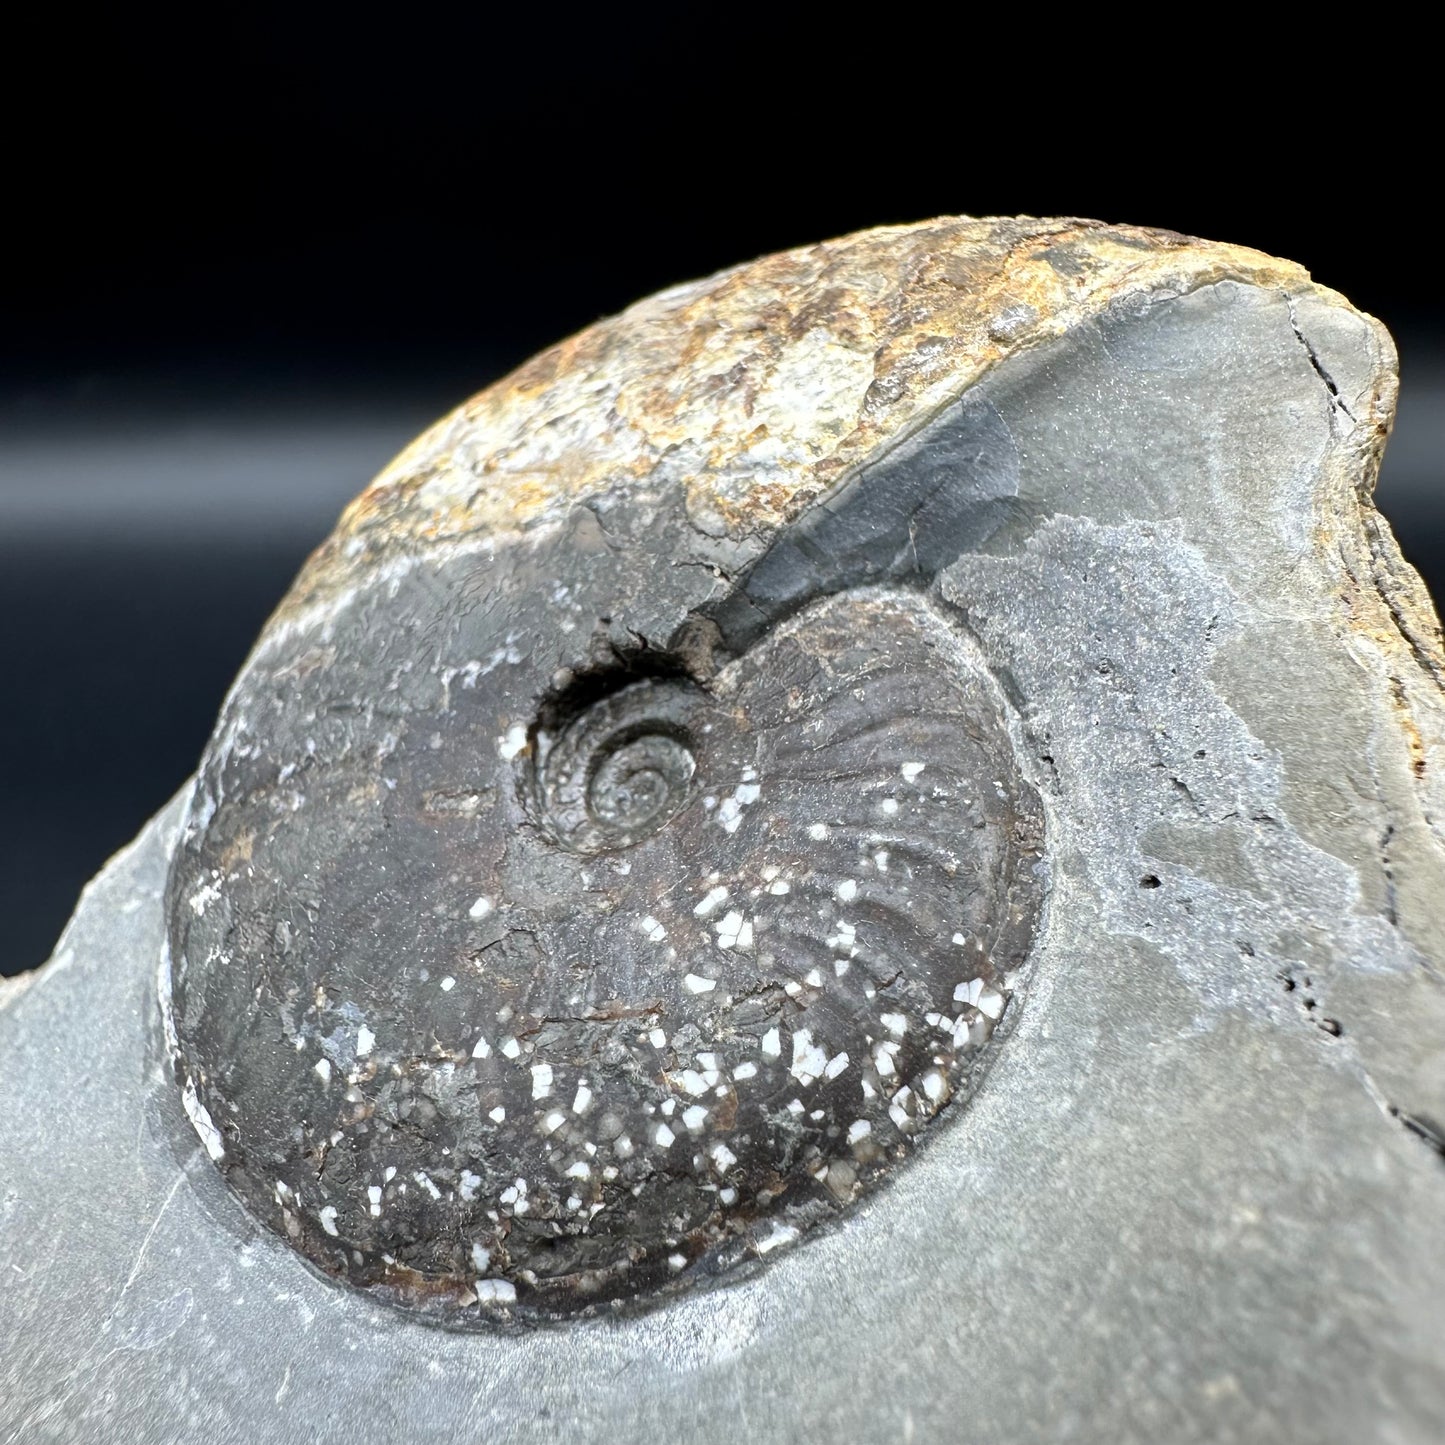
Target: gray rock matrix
(1198, 1194)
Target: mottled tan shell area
(758, 388)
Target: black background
(243, 266)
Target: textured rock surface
(1197, 1195)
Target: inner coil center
(622, 768)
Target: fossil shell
(627, 1003)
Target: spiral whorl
(620, 768)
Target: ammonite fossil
(519, 963)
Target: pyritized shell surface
(561, 1014)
